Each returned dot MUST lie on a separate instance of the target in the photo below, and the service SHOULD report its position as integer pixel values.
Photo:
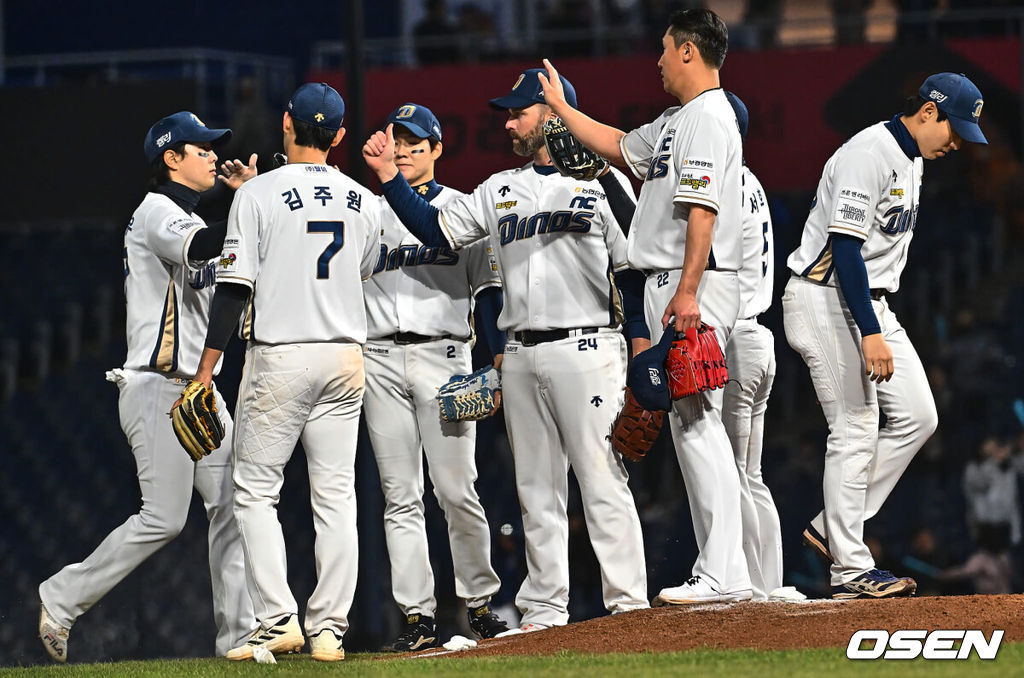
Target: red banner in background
(786, 91)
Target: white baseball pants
(750, 356)
(404, 423)
(702, 446)
(560, 400)
(313, 393)
(862, 464)
(167, 476)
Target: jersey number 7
(336, 228)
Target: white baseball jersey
(690, 155)
(303, 237)
(425, 290)
(870, 190)
(758, 271)
(556, 242)
(159, 275)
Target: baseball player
(169, 271)
(686, 234)
(557, 243)
(300, 240)
(419, 304)
(852, 251)
(750, 356)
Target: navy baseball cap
(740, 109)
(527, 91)
(317, 104)
(960, 99)
(182, 126)
(419, 120)
(647, 377)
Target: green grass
(830, 662)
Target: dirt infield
(765, 626)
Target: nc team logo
(977, 108)
(405, 112)
(914, 643)
(519, 81)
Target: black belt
(878, 293)
(413, 338)
(534, 337)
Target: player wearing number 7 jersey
(299, 244)
(852, 252)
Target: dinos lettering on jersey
(511, 227)
(659, 165)
(204, 277)
(414, 255)
(900, 220)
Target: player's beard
(529, 144)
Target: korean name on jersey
(870, 190)
(304, 237)
(421, 289)
(556, 242)
(159, 275)
(691, 154)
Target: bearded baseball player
(853, 249)
(419, 304)
(687, 234)
(299, 243)
(750, 355)
(563, 367)
(169, 271)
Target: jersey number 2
(337, 228)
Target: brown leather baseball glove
(635, 429)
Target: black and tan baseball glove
(470, 397)
(635, 429)
(196, 422)
(569, 156)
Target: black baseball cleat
(484, 622)
(419, 633)
(818, 543)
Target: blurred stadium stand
(67, 476)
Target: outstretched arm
(598, 137)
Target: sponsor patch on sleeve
(852, 208)
(696, 176)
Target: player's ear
(286, 123)
(337, 137)
(436, 151)
(687, 51)
(171, 159)
(928, 111)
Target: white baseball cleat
(53, 635)
(696, 590)
(285, 636)
(786, 594)
(326, 646)
(527, 628)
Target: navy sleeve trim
(228, 303)
(853, 281)
(208, 242)
(489, 302)
(418, 215)
(622, 204)
(631, 288)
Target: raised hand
(234, 173)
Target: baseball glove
(469, 397)
(195, 420)
(635, 429)
(695, 363)
(569, 156)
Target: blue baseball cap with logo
(960, 99)
(182, 126)
(527, 91)
(317, 104)
(419, 120)
(647, 377)
(740, 109)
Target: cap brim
(968, 130)
(511, 101)
(414, 128)
(212, 136)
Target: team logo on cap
(166, 138)
(977, 108)
(319, 117)
(521, 76)
(937, 95)
(405, 112)
(196, 120)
